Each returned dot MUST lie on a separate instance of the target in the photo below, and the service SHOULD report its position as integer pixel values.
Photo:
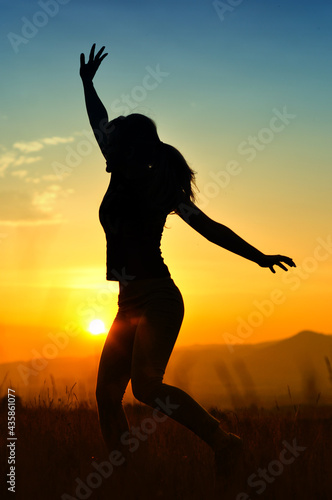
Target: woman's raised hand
(276, 260)
(89, 69)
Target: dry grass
(57, 444)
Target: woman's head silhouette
(132, 144)
(135, 151)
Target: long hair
(174, 180)
(169, 178)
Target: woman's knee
(145, 390)
(100, 395)
(108, 395)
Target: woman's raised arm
(226, 238)
(96, 110)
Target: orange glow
(96, 327)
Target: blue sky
(261, 51)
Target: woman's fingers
(96, 58)
(278, 260)
(102, 57)
(99, 52)
(88, 69)
(288, 261)
(98, 61)
(92, 52)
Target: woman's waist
(138, 291)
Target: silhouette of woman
(149, 180)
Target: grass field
(56, 446)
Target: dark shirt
(133, 228)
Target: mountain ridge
(213, 373)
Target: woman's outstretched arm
(96, 110)
(226, 238)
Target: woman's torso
(133, 227)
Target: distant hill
(293, 370)
(260, 373)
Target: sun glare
(96, 327)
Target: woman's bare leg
(113, 378)
(155, 337)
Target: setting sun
(96, 327)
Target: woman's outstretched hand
(276, 260)
(89, 69)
